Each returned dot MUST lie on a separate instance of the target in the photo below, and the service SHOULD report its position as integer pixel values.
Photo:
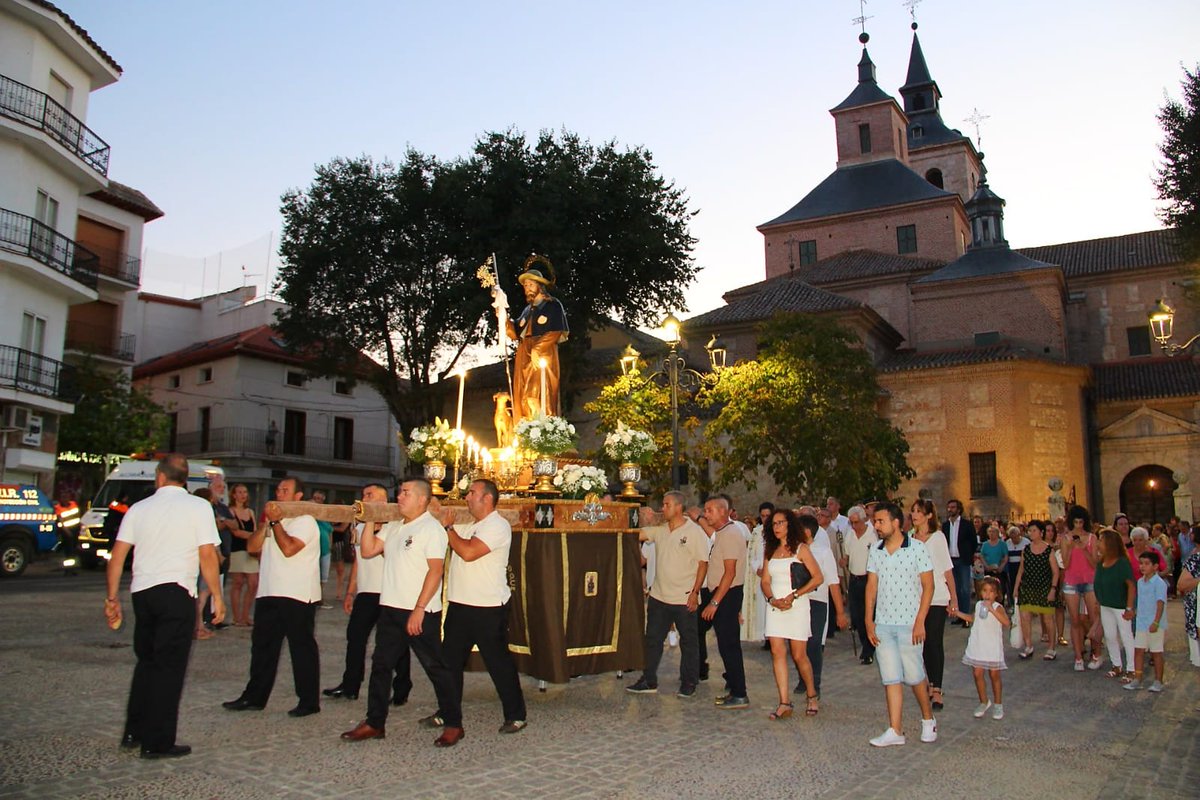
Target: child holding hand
(1150, 625)
(985, 646)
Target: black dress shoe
(301, 711)
(338, 691)
(867, 660)
(241, 704)
(174, 751)
(399, 701)
(129, 741)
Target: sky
(225, 105)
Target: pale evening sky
(226, 104)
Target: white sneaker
(929, 730)
(1079, 665)
(1132, 686)
(1157, 686)
(887, 739)
(981, 710)
(998, 711)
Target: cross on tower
(861, 19)
(911, 5)
(976, 118)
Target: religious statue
(1056, 502)
(503, 420)
(539, 329)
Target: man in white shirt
(289, 590)
(477, 597)
(674, 595)
(175, 536)
(362, 604)
(837, 520)
(830, 591)
(857, 550)
(410, 611)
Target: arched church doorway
(1147, 495)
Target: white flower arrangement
(545, 435)
(578, 481)
(436, 442)
(629, 446)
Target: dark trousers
(815, 647)
(165, 617)
(485, 627)
(276, 619)
(659, 618)
(703, 626)
(962, 581)
(393, 642)
(729, 640)
(363, 617)
(858, 613)
(935, 649)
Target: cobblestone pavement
(1065, 735)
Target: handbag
(800, 575)
(1014, 636)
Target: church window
(934, 176)
(808, 252)
(987, 338)
(918, 102)
(1139, 340)
(917, 131)
(864, 138)
(983, 474)
(906, 239)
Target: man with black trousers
(176, 537)
(963, 541)
(477, 597)
(289, 590)
(725, 578)
(410, 611)
(858, 544)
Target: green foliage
(806, 412)
(1178, 178)
(381, 259)
(111, 416)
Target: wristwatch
(714, 604)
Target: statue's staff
(489, 277)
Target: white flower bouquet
(545, 435)
(436, 442)
(629, 446)
(575, 481)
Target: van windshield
(130, 491)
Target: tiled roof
(858, 264)
(1147, 379)
(130, 199)
(780, 294)
(982, 262)
(262, 341)
(934, 359)
(1110, 254)
(78, 29)
(861, 187)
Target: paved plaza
(1065, 735)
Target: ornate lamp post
(674, 373)
(1162, 325)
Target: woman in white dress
(788, 625)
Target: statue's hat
(533, 275)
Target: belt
(854, 578)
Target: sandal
(813, 709)
(1027, 654)
(777, 714)
(1050, 655)
(935, 698)
(1115, 672)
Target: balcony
(30, 372)
(100, 341)
(118, 266)
(253, 442)
(28, 237)
(38, 110)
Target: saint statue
(539, 329)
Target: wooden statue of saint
(539, 329)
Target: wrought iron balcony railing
(116, 264)
(30, 372)
(38, 110)
(100, 340)
(28, 237)
(253, 441)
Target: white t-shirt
(939, 552)
(484, 581)
(407, 548)
(829, 572)
(167, 529)
(858, 549)
(369, 575)
(298, 577)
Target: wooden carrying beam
(359, 512)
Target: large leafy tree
(111, 416)
(1178, 179)
(806, 412)
(382, 259)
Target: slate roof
(1111, 254)
(779, 294)
(984, 261)
(859, 187)
(130, 199)
(935, 359)
(868, 90)
(934, 130)
(1146, 379)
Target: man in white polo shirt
(410, 610)
(289, 589)
(477, 601)
(682, 563)
(858, 546)
(175, 536)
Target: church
(1008, 371)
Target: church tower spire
(920, 91)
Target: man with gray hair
(856, 552)
(725, 578)
(682, 563)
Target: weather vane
(911, 5)
(977, 117)
(861, 19)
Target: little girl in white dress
(985, 646)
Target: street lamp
(1162, 325)
(1153, 502)
(673, 369)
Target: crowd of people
(897, 577)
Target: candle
(462, 379)
(542, 364)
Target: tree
(111, 416)
(806, 412)
(1178, 179)
(382, 259)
